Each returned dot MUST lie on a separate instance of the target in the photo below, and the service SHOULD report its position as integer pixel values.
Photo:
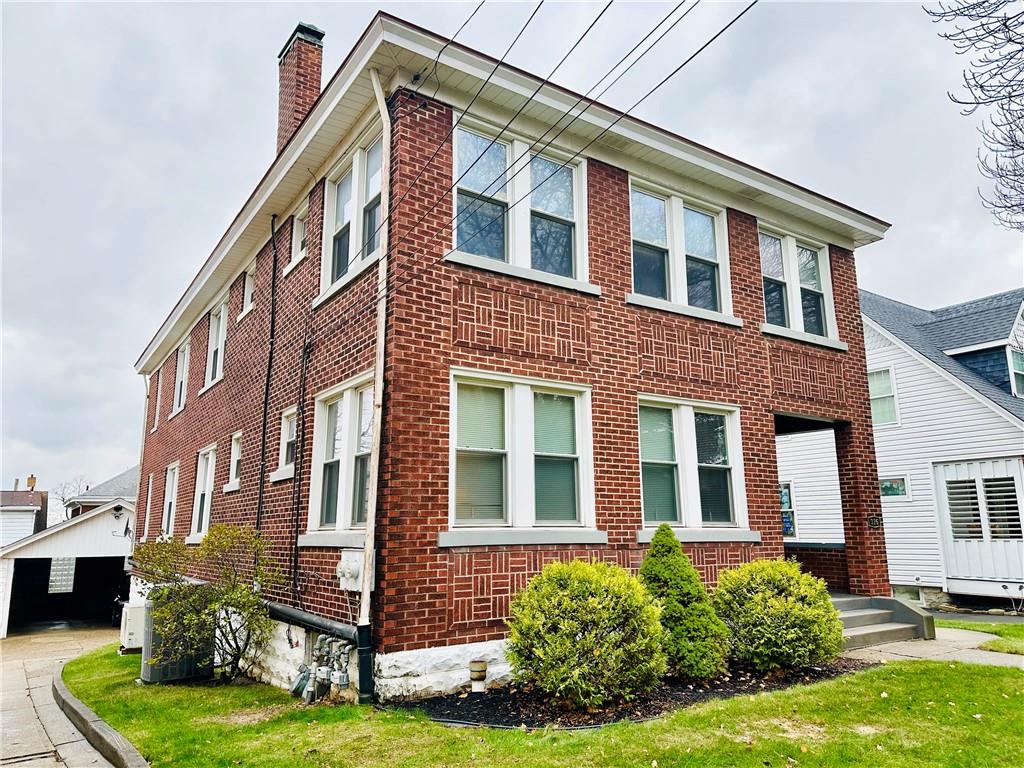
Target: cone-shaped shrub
(585, 633)
(779, 617)
(695, 640)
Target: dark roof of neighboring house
(122, 486)
(22, 498)
(929, 332)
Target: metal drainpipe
(364, 644)
(269, 375)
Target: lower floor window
(690, 465)
(519, 453)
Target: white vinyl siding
(807, 460)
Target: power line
(437, 59)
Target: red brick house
(559, 374)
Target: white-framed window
(894, 487)
(342, 439)
(521, 452)
(180, 378)
(149, 507)
(62, 576)
(217, 342)
(787, 507)
(352, 215)
(159, 397)
(882, 392)
(300, 237)
(202, 504)
(546, 236)
(679, 250)
(797, 282)
(691, 460)
(234, 464)
(170, 500)
(1016, 359)
(248, 287)
(288, 445)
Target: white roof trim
(64, 525)
(943, 372)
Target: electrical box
(350, 570)
(133, 627)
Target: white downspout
(366, 580)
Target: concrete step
(861, 617)
(877, 634)
(851, 602)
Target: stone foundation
(429, 672)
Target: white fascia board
(63, 525)
(942, 372)
(179, 321)
(976, 347)
(633, 130)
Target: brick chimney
(299, 76)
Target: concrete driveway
(35, 731)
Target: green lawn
(908, 715)
(1011, 636)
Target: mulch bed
(526, 707)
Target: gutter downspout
(364, 642)
(269, 375)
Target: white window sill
(208, 385)
(353, 272)
(243, 313)
(682, 309)
(174, 413)
(514, 270)
(703, 535)
(484, 537)
(234, 485)
(282, 473)
(354, 539)
(807, 338)
(152, 430)
(292, 265)
(195, 538)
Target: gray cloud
(133, 133)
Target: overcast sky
(132, 134)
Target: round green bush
(778, 616)
(586, 634)
(695, 640)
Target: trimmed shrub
(695, 640)
(586, 634)
(779, 617)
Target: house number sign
(874, 521)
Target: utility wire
(437, 59)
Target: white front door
(980, 505)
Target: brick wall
(825, 563)
(442, 315)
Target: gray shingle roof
(929, 332)
(124, 486)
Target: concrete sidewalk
(948, 645)
(35, 731)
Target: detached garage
(70, 571)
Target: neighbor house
(947, 400)
(558, 375)
(123, 486)
(22, 513)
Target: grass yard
(1011, 636)
(908, 714)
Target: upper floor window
(545, 236)
(883, 397)
(180, 378)
(676, 252)
(159, 397)
(149, 507)
(342, 440)
(215, 348)
(797, 285)
(248, 288)
(691, 464)
(203, 502)
(353, 215)
(521, 453)
(300, 235)
(1017, 372)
